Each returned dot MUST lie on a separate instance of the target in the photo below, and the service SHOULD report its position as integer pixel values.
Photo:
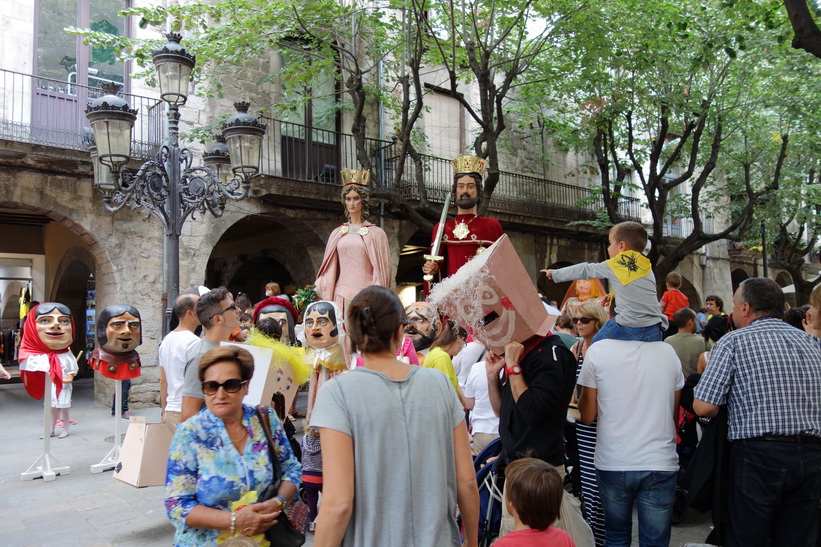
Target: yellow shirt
(437, 358)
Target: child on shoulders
(533, 490)
(631, 277)
(673, 300)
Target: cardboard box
(144, 454)
(270, 375)
(493, 297)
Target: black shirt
(534, 425)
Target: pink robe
(353, 264)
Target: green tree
(658, 104)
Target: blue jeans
(614, 331)
(653, 494)
(774, 493)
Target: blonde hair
(594, 310)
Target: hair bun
(367, 321)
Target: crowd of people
(402, 397)
(585, 410)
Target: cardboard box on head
(493, 297)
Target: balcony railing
(51, 112)
(683, 227)
(304, 153)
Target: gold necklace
(461, 230)
(244, 433)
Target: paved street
(86, 509)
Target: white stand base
(45, 465)
(42, 467)
(113, 457)
(109, 462)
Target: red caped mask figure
(47, 335)
(119, 332)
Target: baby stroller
(491, 481)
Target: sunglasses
(230, 386)
(229, 308)
(583, 320)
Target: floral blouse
(204, 468)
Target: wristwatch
(515, 369)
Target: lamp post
(169, 186)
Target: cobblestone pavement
(85, 509)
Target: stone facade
(123, 250)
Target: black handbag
(283, 533)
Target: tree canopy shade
(661, 103)
(695, 105)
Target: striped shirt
(769, 375)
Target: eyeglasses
(230, 386)
(231, 307)
(583, 320)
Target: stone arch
(98, 255)
(69, 288)
(271, 237)
(737, 276)
(691, 293)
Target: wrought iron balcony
(51, 112)
(294, 151)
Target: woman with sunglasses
(221, 453)
(395, 454)
(589, 317)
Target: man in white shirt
(633, 388)
(173, 354)
(484, 422)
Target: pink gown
(355, 257)
(352, 262)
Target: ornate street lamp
(174, 67)
(217, 159)
(243, 133)
(112, 121)
(169, 186)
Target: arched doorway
(252, 276)
(71, 290)
(737, 276)
(691, 293)
(256, 250)
(63, 257)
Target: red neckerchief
(32, 345)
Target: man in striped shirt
(769, 376)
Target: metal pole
(764, 248)
(171, 248)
